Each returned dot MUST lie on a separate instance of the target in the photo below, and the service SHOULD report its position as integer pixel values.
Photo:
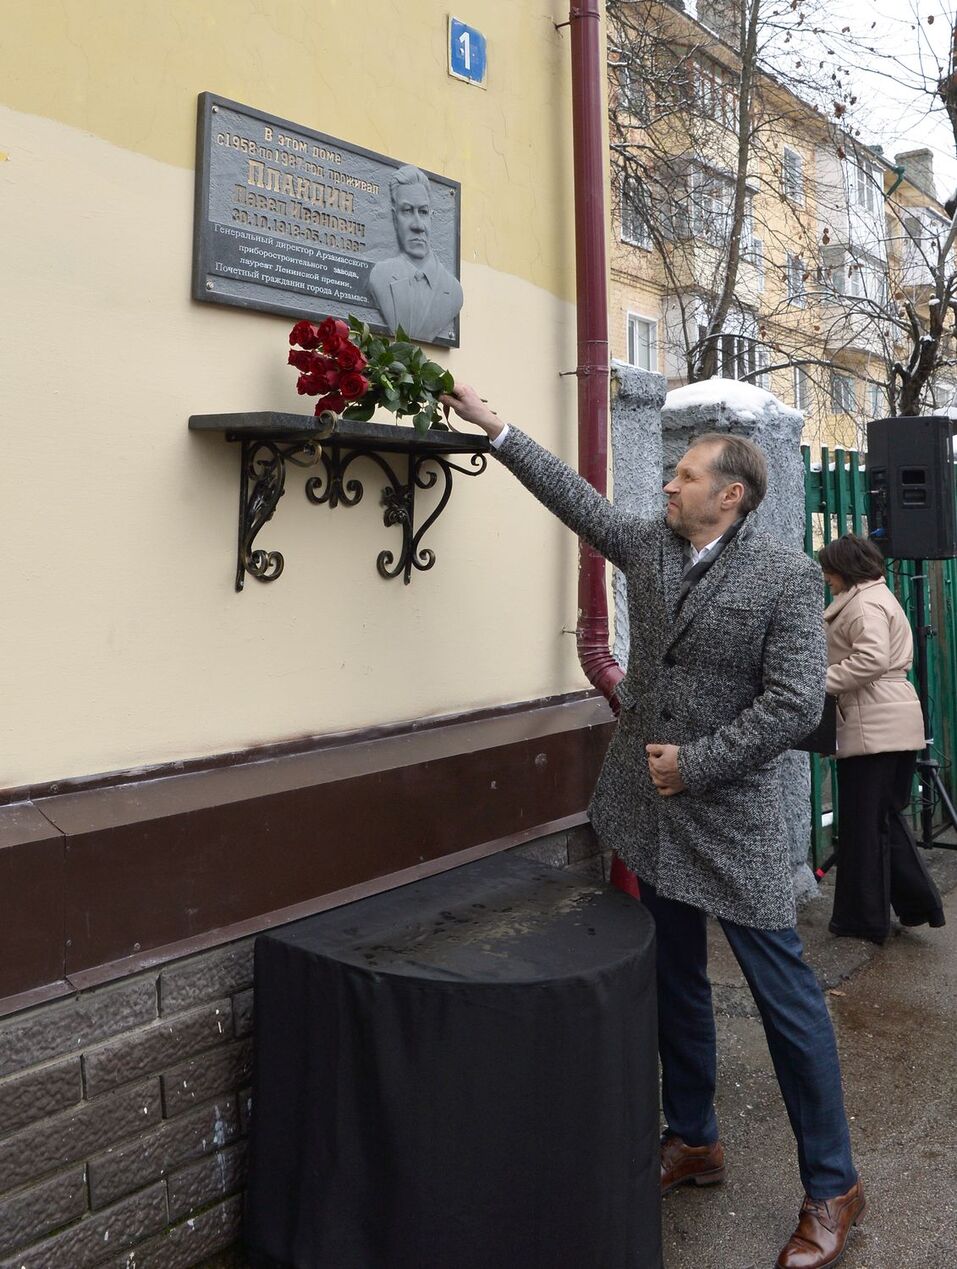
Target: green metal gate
(835, 502)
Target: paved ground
(895, 1014)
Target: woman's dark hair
(853, 559)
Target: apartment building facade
(834, 235)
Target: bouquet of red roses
(353, 371)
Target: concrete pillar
(637, 398)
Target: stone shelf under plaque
(269, 441)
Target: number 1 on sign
(467, 52)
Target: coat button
(667, 715)
(668, 659)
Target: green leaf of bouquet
(421, 421)
(447, 381)
(361, 413)
(401, 334)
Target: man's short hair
(407, 175)
(738, 459)
(853, 559)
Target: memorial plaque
(292, 221)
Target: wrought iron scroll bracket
(411, 466)
(262, 482)
(422, 471)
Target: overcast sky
(896, 109)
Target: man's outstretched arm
(562, 490)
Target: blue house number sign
(466, 52)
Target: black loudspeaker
(910, 476)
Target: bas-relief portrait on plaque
(292, 221)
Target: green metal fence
(835, 502)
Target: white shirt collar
(696, 554)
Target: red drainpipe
(590, 159)
(588, 69)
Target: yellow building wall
(124, 643)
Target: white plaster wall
(123, 640)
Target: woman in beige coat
(880, 728)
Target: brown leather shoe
(823, 1227)
(682, 1164)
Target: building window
(864, 185)
(632, 91)
(860, 278)
(756, 259)
(842, 393)
(634, 213)
(802, 388)
(712, 201)
(739, 357)
(796, 275)
(716, 91)
(876, 401)
(792, 176)
(642, 342)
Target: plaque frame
(302, 305)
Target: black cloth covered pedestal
(460, 1074)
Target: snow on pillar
(637, 398)
(726, 405)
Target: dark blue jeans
(796, 1023)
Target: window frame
(793, 191)
(795, 271)
(627, 225)
(876, 401)
(631, 321)
(843, 396)
(802, 389)
(865, 184)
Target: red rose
(353, 385)
(350, 358)
(335, 402)
(308, 385)
(302, 360)
(332, 333)
(305, 335)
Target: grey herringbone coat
(734, 677)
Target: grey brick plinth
(243, 1013)
(89, 1241)
(167, 1041)
(202, 1183)
(191, 1242)
(32, 1213)
(71, 1025)
(176, 1141)
(196, 1081)
(207, 977)
(67, 1138)
(37, 1094)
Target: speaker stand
(928, 768)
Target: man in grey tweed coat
(726, 671)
